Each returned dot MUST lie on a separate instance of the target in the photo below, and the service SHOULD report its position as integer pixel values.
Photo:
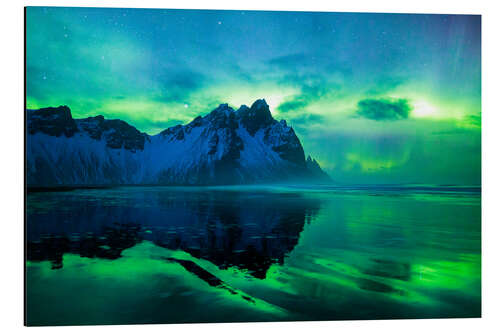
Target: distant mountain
(316, 171)
(246, 146)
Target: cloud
(312, 89)
(384, 109)
(306, 120)
(297, 102)
(473, 120)
(179, 85)
(315, 77)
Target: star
(186, 106)
(219, 23)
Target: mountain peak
(260, 104)
(256, 117)
(243, 108)
(221, 110)
(223, 106)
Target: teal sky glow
(375, 98)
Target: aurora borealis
(375, 98)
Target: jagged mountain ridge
(224, 147)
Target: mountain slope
(224, 147)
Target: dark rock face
(220, 165)
(224, 143)
(223, 124)
(287, 145)
(117, 133)
(120, 134)
(177, 131)
(278, 135)
(256, 117)
(58, 121)
(52, 121)
(93, 126)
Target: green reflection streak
(87, 291)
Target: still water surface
(168, 255)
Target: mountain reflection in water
(130, 255)
(226, 228)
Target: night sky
(375, 98)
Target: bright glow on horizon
(423, 109)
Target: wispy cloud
(315, 78)
(177, 86)
(384, 109)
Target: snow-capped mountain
(224, 147)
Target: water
(166, 255)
